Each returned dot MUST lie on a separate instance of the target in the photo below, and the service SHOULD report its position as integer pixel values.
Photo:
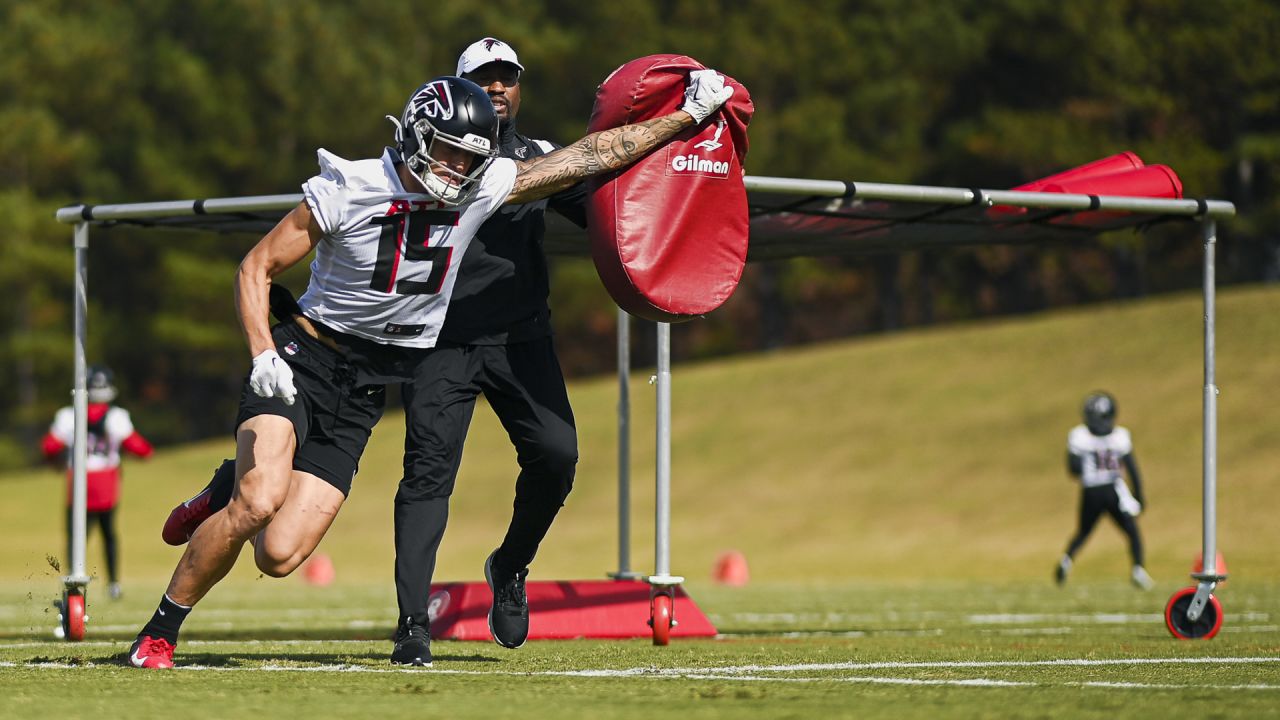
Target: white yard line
(1088, 618)
(934, 617)
(761, 673)
(1062, 662)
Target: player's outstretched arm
(617, 148)
(291, 240)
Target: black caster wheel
(1175, 616)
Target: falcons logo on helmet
(435, 100)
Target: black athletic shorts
(333, 414)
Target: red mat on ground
(563, 609)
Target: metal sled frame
(791, 217)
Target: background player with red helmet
(110, 431)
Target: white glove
(705, 94)
(272, 377)
(1129, 505)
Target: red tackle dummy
(669, 233)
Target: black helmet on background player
(1100, 413)
(451, 111)
(100, 383)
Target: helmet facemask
(100, 385)
(440, 179)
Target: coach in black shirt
(496, 340)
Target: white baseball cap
(483, 52)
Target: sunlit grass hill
(929, 454)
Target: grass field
(932, 649)
(901, 501)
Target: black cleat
(509, 615)
(413, 646)
(1061, 570)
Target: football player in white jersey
(388, 234)
(1098, 453)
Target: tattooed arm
(617, 148)
(594, 154)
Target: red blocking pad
(669, 233)
(563, 610)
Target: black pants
(524, 385)
(1093, 502)
(107, 521)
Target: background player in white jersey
(388, 234)
(1098, 453)
(110, 430)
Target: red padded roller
(1120, 162)
(1120, 174)
(669, 233)
(1155, 181)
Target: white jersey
(387, 263)
(103, 449)
(1101, 456)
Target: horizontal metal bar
(252, 204)
(176, 208)
(965, 196)
(754, 183)
(796, 186)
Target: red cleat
(185, 518)
(152, 653)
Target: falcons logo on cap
(490, 42)
(435, 100)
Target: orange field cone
(731, 569)
(319, 570)
(1220, 567)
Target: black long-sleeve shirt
(500, 296)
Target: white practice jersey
(104, 449)
(387, 263)
(1101, 455)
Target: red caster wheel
(1175, 616)
(73, 616)
(660, 619)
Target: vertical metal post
(80, 404)
(1209, 576)
(662, 500)
(1209, 551)
(624, 447)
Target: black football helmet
(451, 111)
(100, 382)
(1100, 413)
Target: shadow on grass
(261, 634)
(302, 659)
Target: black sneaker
(413, 646)
(509, 615)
